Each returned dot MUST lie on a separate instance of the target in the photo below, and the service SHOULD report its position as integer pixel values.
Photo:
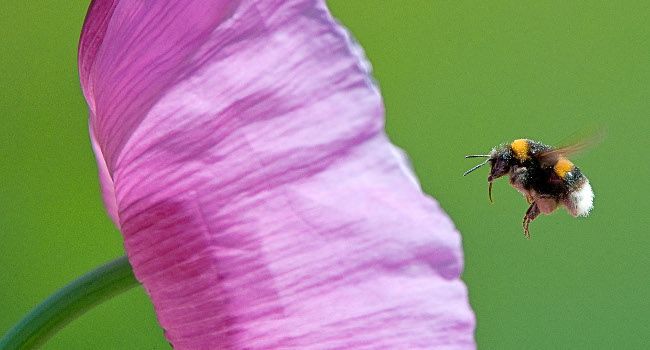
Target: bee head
(500, 162)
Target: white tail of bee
(582, 200)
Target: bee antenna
(478, 156)
(476, 167)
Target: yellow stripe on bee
(562, 167)
(520, 148)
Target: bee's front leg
(531, 214)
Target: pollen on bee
(562, 167)
(520, 148)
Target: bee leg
(531, 214)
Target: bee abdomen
(570, 174)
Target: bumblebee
(543, 174)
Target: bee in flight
(544, 176)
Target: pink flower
(242, 155)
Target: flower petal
(261, 203)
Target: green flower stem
(68, 303)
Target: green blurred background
(458, 78)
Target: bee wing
(551, 156)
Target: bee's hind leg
(531, 214)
